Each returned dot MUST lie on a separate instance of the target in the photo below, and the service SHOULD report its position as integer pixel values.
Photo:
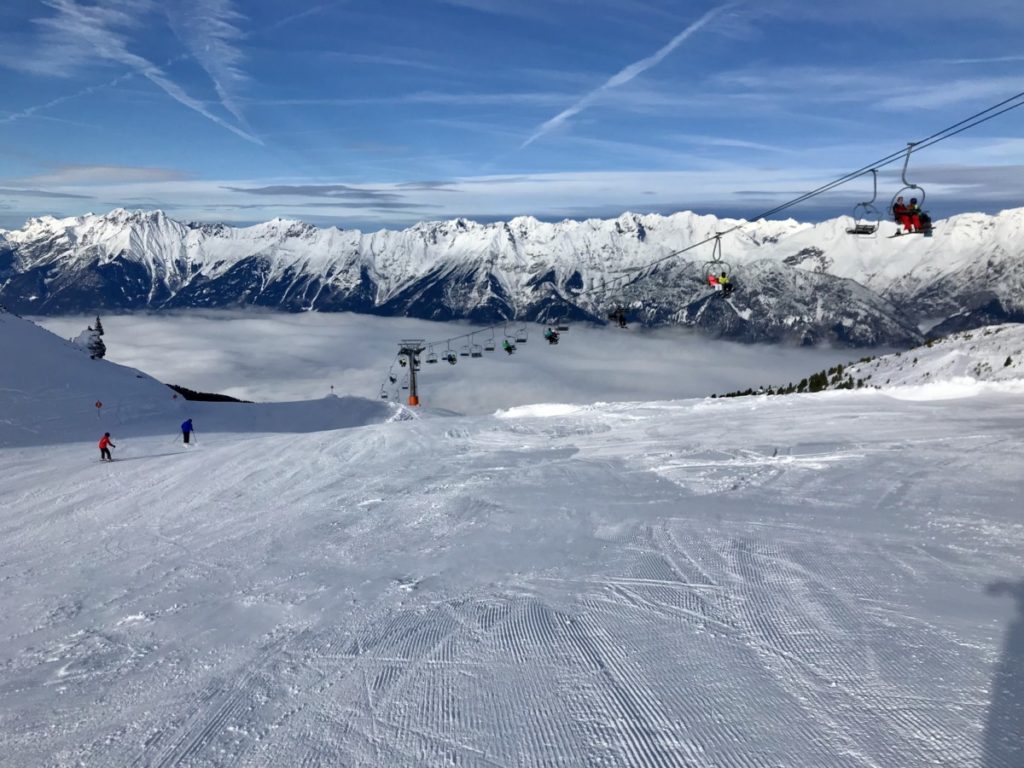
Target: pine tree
(97, 349)
(99, 326)
(90, 341)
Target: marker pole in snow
(411, 349)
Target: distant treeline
(206, 397)
(835, 377)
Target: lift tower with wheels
(411, 349)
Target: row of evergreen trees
(835, 377)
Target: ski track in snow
(788, 582)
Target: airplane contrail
(626, 74)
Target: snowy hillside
(993, 353)
(951, 365)
(49, 390)
(820, 580)
(793, 277)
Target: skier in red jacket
(105, 446)
(906, 216)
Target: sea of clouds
(267, 356)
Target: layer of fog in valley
(276, 356)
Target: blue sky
(373, 114)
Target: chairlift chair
(383, 393)
(716, 268)
(431, 356)
(716, 265)
(866, 217)
(464, 352)
(522, 334)
(476, 351)
(909, 188)
(561, 321)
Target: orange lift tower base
(411, 349)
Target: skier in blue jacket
(186, 430)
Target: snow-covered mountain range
(796, 281)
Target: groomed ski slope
(817, 580)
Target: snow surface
(993, 353)
(814, 580)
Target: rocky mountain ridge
(800, 282)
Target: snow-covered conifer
(89, 340)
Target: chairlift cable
(973, 121)
(978, 118)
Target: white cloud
(625, 75)
(944, 94)
(276, 356)
(70, 175)
(872, 86)
(209, 30)
(707, 184)
(76, 35)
